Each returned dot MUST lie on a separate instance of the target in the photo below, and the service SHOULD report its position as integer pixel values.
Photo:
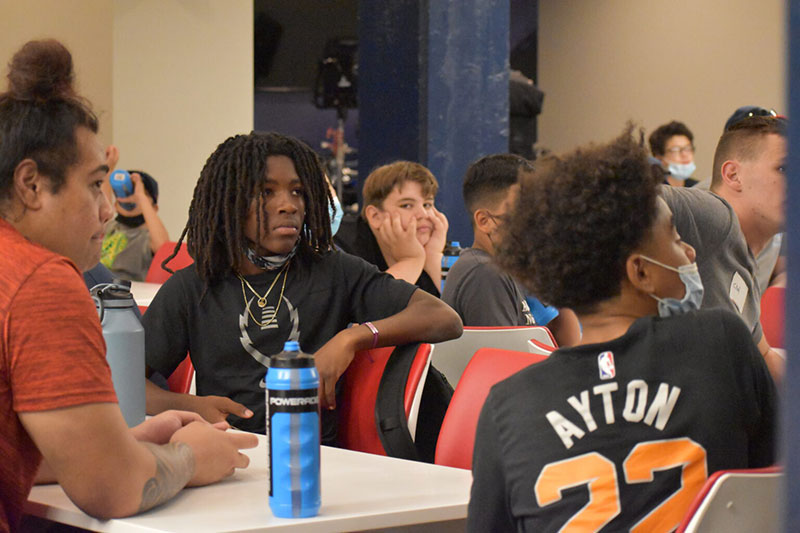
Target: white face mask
(682, 172)
(693, 286)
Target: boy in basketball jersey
(621, 431)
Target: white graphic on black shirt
(247, 343)
(268, 318)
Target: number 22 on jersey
(600, 476)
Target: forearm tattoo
(174, 468)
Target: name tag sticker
(738, 292)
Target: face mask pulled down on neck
(682, 172)
(692, 297)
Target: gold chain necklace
(262, 300)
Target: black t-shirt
(621, 434)
(355, 237)
(230, 351)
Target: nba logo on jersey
(605, 363)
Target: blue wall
(433, 88)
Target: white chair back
(738, 501)
(452, 357)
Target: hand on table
(216, 452)
(217, 408)
(159, 429)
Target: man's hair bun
(41, 71)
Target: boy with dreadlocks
(265, 272)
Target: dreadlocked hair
(231, 178)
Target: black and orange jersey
(622, 435)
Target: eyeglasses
(688, 149)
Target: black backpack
(390, 417)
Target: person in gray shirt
(482, 294)
(726, 229)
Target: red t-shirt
(52, 355)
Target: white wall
(83, 26)
(602, 62)
(182, 83)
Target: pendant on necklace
(262, 302)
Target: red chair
(156, 274)
(181, 378)
(357, 406)
(487, 367)
(737, 500)
(773, 312)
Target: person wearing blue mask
(673, 145)
(658, 394)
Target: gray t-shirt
(767, 259)
(482, 295)
(126, 251)
(727, 266)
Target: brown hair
(383, 180)
(40, 112)
(742, 142)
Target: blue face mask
(693, 296)
(336, 212)
(682, 172)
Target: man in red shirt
(57, 401)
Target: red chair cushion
(357, 403)
(773, 315)
(487, 367)
(156, 274)
(181, 378)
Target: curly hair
(40, 112)
(658, 139)
(577, 219)
(230, 179)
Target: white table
(359, 492)
(144, 292)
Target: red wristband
(374, 331)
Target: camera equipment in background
(336, 87)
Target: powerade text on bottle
(293, 433)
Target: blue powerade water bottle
(122, 185)
(293, 433)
